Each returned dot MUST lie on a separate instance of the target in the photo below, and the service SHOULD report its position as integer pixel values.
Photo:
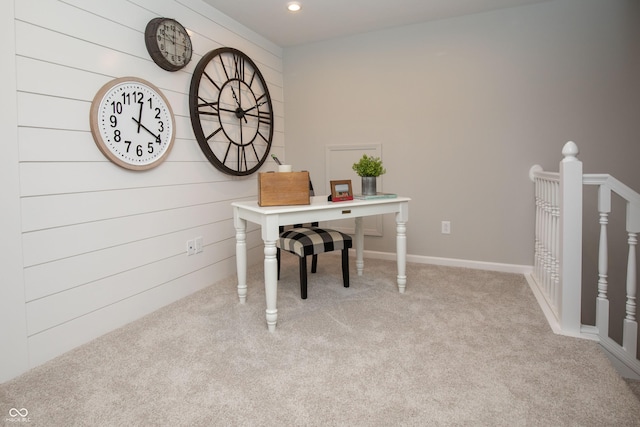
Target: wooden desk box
(283, 188)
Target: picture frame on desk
(341, 190)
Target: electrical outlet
(198, 242)
(446, 227)
(191, 247)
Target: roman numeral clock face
(231, 111)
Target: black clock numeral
(213, 81)
(264, 119)
(226, 154)
(242, 158)
(255, 152)
(150, 100)
(160, 126)
(263, 137)
(139, 152)
(253, 76)
(114, 120)
(238, 62)
(150, 148)
(128, 144)
(116, 135)
(212, 134)
(203, 108)
(116, 107)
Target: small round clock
(132, 123)
(168, 43)
(231, 111)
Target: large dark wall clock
(231, 111)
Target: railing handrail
(536, 171)
(627, 193)
(614, 184)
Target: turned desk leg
(401, 251)
(359, 246)
(241, 259)
(271, 283)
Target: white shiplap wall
(102, 245)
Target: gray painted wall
(464, 107)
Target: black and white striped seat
(305, 241)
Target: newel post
(570, 239)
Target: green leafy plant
(369, 166)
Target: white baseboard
(544, 306)
(626, 365)
(453, 262)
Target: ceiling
(326, 19)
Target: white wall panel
(68, 273)
(54, 341)
(108, 31)
(102, 245)
(77, 177)
(96, 206)
(44, 246)
(61, 307)
(57, 145)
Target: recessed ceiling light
(294, 6)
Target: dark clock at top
(168, 43)
(231, 111)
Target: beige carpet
(459, 348)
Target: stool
(305, 241)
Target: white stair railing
(546, 268)
(557, 274)
(628, 351)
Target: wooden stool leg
(303, 277)
(314, 263)
(345, 267)
(278, 259)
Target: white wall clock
(132, 123)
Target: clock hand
(139, 117)
(239, 112)
(255, 106)
(157, 137)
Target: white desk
(271, 218)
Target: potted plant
(369, 168)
